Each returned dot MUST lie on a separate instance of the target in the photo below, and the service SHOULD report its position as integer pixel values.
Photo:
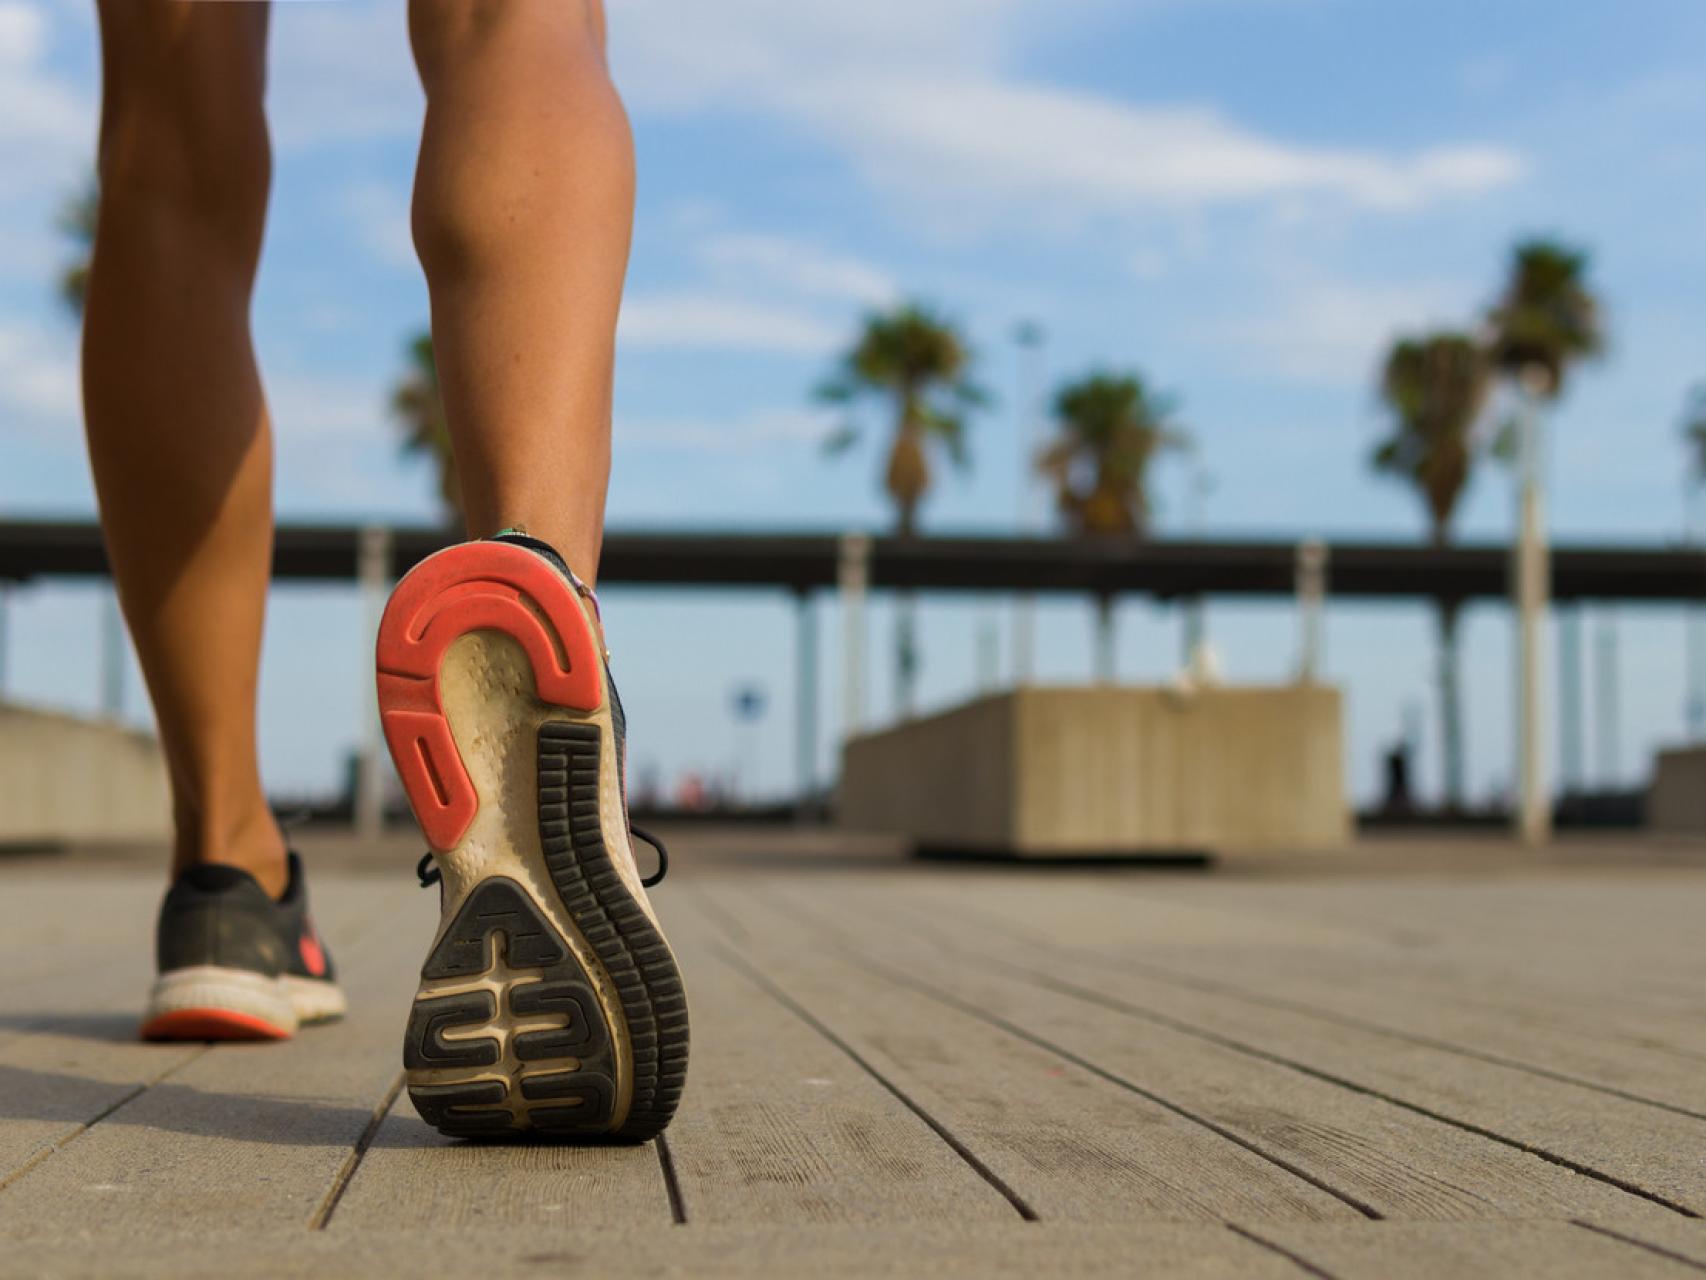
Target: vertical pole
(373, 572)
(1532, 590)
(1311, 596)
(1104, 638)
(905, 654)
(1030, 337)
(805, 701)
(853, 578)
(1570, 700)
(1195, 607)
(5, 634)
(1695, 640)
(1194, 633)
(112, 655)
(988, 655)
(1694, 632)
(1607, 713)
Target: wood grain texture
(1197, 1075)
(780, 1125)
(258, 1130)
(1391, 1160)
(1071, 1144)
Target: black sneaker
(236, 965)
(550, 1001)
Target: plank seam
(740, 965)
(671, 1184)
(55, 1145)
(1638, 1243)
(346, 1171)
(1304, 1009)
(1060, 1051)
(1049, 982)
(1327, 1077)
(1296, 1259)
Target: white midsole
(487, 685)
(283, 1002)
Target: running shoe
(236, 964)
(549, 1002)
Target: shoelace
(429, 875)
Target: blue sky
(1245, 199)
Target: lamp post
(1029, 336)
(1533, 587)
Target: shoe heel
(477, 586)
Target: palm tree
(1694, 432)
(914, 359)
(1694, 439)
(76, 220)
(1545, 322)
(1547, 319)
(1112, 427)
(1436, 386)
(418, 409)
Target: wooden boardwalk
(1485, 1067)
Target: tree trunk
(1450, 709)
(906, 629)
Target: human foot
(550, 1000)
(236, 963)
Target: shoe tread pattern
(570, 1068)
(630, 947)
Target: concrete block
(1676, 801)
(1109, 770)
(65, 778)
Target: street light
(1030, 338)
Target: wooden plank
(942, 1251)
(1398, 1163)
(1682, 1239)
(260, 1131)
(779, 1125)
(1531, 1015)
(1469, 1251)
(69, 1054)
(413, 1176)
(1072, 1145)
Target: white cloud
(711, 321)
(307, 409)
(341, 72)
(379, 219)
(1334, 331)
(42, 117)
(796, 267)
(923, 100)
(39, 383)
(759, 432)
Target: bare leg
(177, 428)
(522, 213)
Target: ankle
(251, 840)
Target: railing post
(5, 634)
(1104, 637)
(112, 655)
(1570, 700)
(1532, 589)
(373, 572)
(1311, 597)
(805, 700)
(853, 579)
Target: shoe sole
(212, 1002)
(550, 1001)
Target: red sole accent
(478, 586)
(211, 1024)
